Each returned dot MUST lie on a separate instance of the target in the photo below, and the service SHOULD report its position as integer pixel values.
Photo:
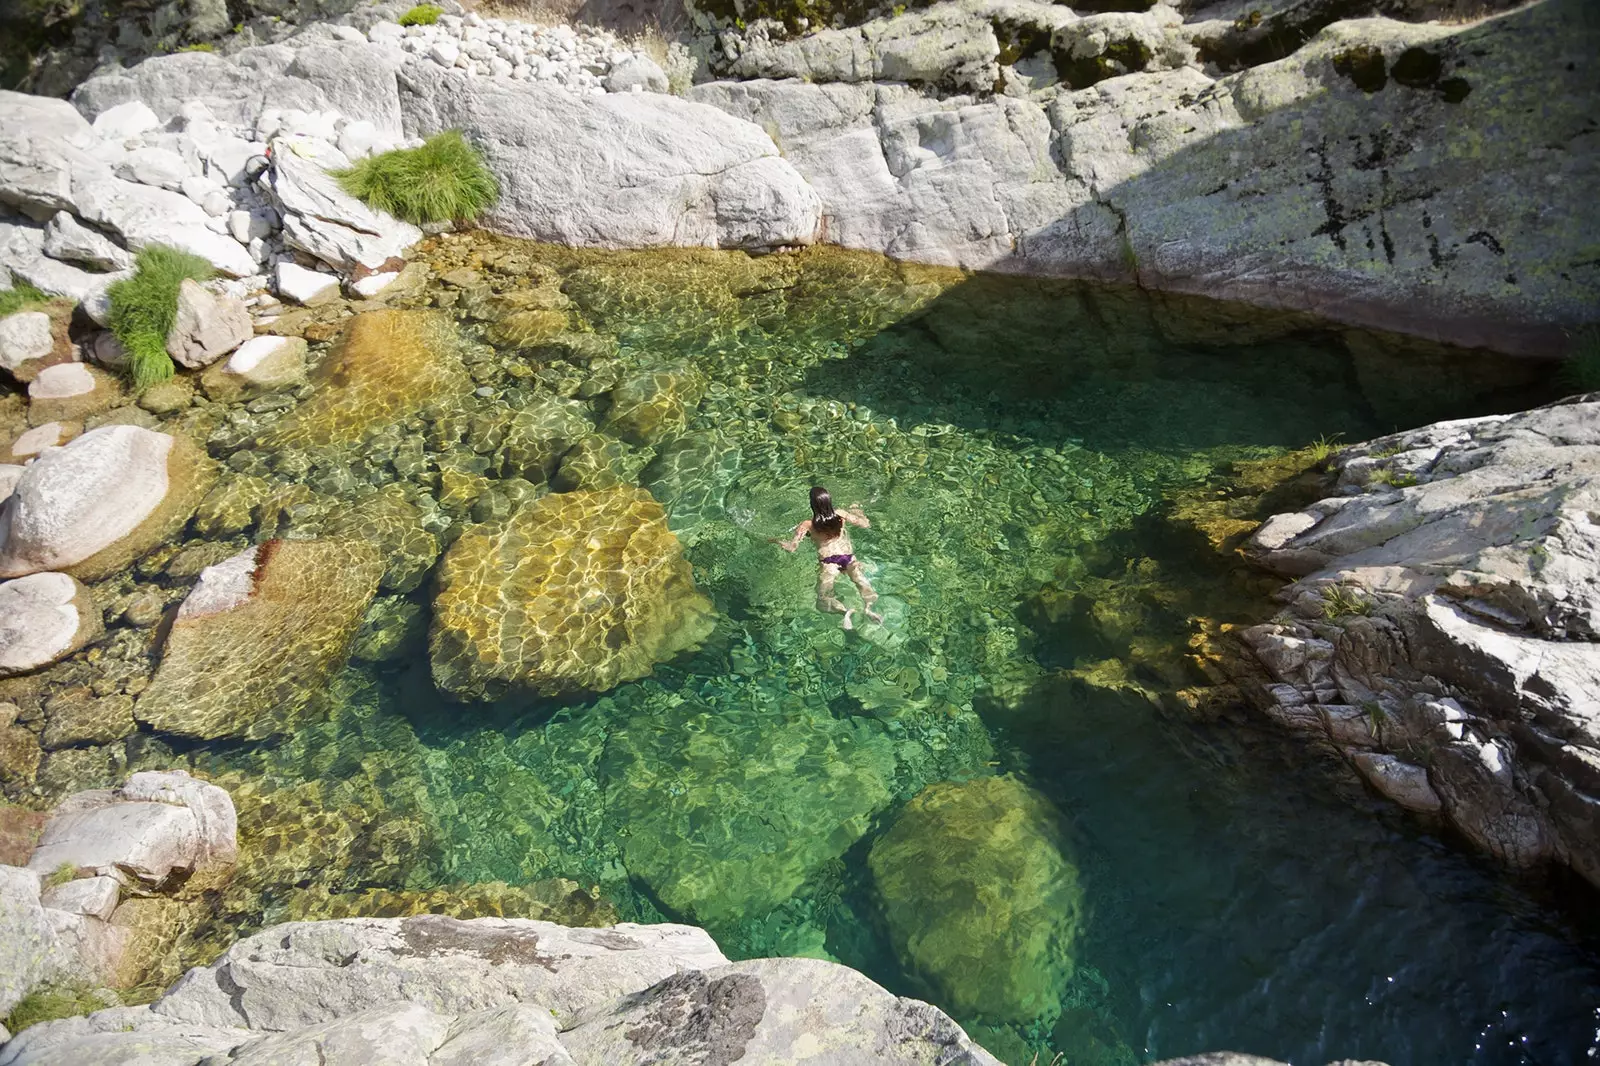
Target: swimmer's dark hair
(823, 517)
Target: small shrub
(20, 298)
(144, 306)
(442, 181)
(1398, 479)
(422, 15)
(199, 46)
(1340, 602)
(60, 875)
(46, 1004)
(1323, 448)
(1581, 370)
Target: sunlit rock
(652, 405)
(980, 902)
(573, 592)
(385, 366)
(257, 636)
(538, 436)
(44, 617)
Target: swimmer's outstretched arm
(793, 542)
(855, 516)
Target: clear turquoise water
(1019, 445)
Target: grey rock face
(629, 169)
(67, 239)
(206, 327)
(24, 336)
(323, 220)
(639, 72)
(440, 992)
(1446, 626)
(41, 151)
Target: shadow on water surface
(1019, 445)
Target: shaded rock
(257, 636)
(259, 366)
(65, 238)
(168, 397)
(76, 716)
(103, 500)
(206, 327)
(979, 900)
(44, 618)
(390, 626)
(720, 834)
(386, 365)
(573, 592)
(156, 824)
(25, 336)
(623, 169)
(71, 392)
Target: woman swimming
(827, 527)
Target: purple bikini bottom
(841, 561)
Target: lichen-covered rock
(43, 618)
(980, 901)
(652, 405)
(387, 364)
(573, 592)
(720, 831)
(258, 366)
(90, 508)
(257, 637)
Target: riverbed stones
(574, 592)
(979, 898)
(652, 405)
(103, 500)
(44, 618)
(259, 366)
(207, 326)
(538, 435)
(386, 365)
(257, 637)
(77, 716)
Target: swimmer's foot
(874, 615)
(847, 624)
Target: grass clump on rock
(442, 181)
(422, 15)
(143, 308)
(46, 1004)
(20, 298)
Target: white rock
(144, 216)
(125, 120)
(357, 139)
(499, 67)
(63, 279)
(382, 32)
(197, 187)
(239, 225)
(153, 166)
(216, 204)
(44, 618)
(24, 335)
(321, 219)
(35, 441)
(636, 72)
(304, 286)
(75, 501)
(10, 474)
(444, 53)
(61, 381)
(373, 284)
(68, 239)
(206, 326)
(42, 153)
(349, 33)
(92, 897)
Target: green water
(1019, 446)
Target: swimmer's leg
(869, 595)
(827, 600)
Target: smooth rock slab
(303, 285)
(101, 501)
(44, 618)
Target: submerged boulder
(573, 592)
(652, 405)
(257, 636)
(90, 508)
(386, 365)
(980, 902)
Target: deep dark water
(1021, 446)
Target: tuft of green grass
(143, 308)
(20, 298)
(422, 15)
(46, 1004)
(1340, 602)
(1323, 448)
(1396, 479)
(199, 46)
(443, 181)
(1580, 371)
(60, 875)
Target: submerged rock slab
(257, 636)
(980, 901)
(386, 366)
(106, 498)
(725, 823)
(573, 592)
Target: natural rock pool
(1023, 797)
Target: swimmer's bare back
(836, 555)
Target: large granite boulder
(103, 500)
(617, 170)
(258, 635)
(43, 148)
(573, 592)
(434, 991)
(980, 901)
(1447, 615)
(386, 365)
(44, 617)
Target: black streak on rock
(707, 1022)
(1333, 229)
